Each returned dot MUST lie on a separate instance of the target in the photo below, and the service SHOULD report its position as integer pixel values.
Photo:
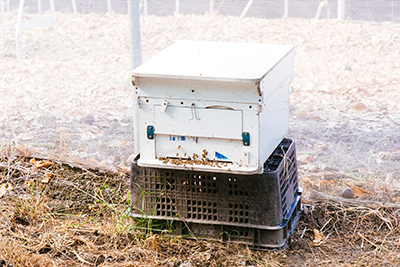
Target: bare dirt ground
(72, 103)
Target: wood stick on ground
(321, 197)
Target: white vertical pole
(286, 15)
(177, 7)
(40, 6)
(2, 12)
(246, 8)
(8, 5)
(135, 58)
(134, 33)
(145, 8)
(109, 5)
(328, 10)
(53, 11)
(341, 9)
(322, 5)
(211, 5)
(18, 28)
(74, 6)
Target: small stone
(348, 193)
(89, 119)
(348, 67)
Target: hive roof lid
(214, 61)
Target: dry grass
(78, 218)
(354, 236)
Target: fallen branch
(321, 197)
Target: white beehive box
(212, 106)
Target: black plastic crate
(258, 210)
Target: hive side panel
(274, 120)
(277, 75)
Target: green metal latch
(246, 138)
(150, 132)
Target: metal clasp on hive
(165, 105)
(193, 110)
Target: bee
(184, 155)
(228, 169)
(161, 158)
(179, 146)
(197, 140)
(177, 154)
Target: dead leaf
(318, 238)
(48, 177)
(304, 159)
(105, 125)
(122, 168)
(360, 107)
(302, 115)
(317, 118)
(359, 192)
(4, 188)
(40, 164)
(322, 147)
(330, 182)
(124, 143)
